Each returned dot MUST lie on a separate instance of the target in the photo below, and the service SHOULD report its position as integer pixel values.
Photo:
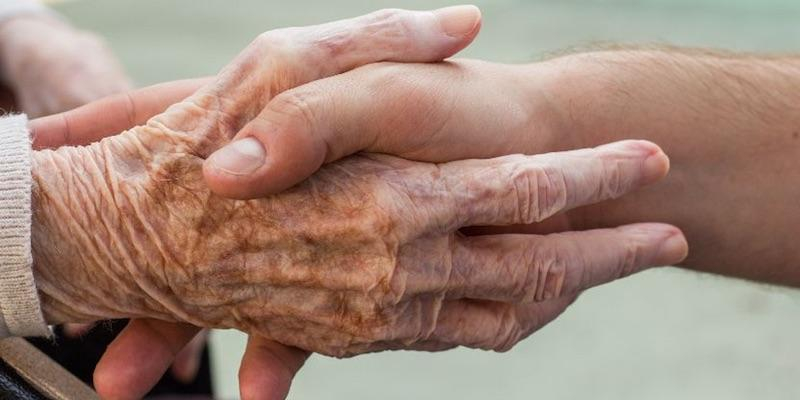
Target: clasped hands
(389, 204)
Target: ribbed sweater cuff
(20, 311)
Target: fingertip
(462, 23)
(636, 146)
(654, 162)
(262, 379)
(49, 131)
(138, 357)
(268, 369)
(674, 249)
(655, 167)
(666, 243)
(112, 376)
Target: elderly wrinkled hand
(79, 130)
(52, 67)
(363, 256)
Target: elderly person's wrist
(84, 260)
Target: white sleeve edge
(20, 308)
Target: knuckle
(275, 44)
(386, 15)
(360, 316)
(546, 271)
(385, 28)
(524, 274)
(539, 192)
(297, 108)
(130, 109)
(509, 331)
(613, 179)
(629, 259)
(378, 333)
(389, 286)
(267, 39)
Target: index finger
(528, 189)
(139, 356)
(109, 115)
(268, 369)
(532, 268)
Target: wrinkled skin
(52, 67)
(363, 256)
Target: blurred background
(663, 334)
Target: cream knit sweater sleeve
(20, 311)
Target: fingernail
(656, 167)
(458, 21)
(241, 157)
(673, 250)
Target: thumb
(239, 169)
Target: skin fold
(362, 257)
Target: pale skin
(364, 256)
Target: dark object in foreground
(27, 373)
(13, 386)
(80, 356)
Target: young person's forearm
(731, 126)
